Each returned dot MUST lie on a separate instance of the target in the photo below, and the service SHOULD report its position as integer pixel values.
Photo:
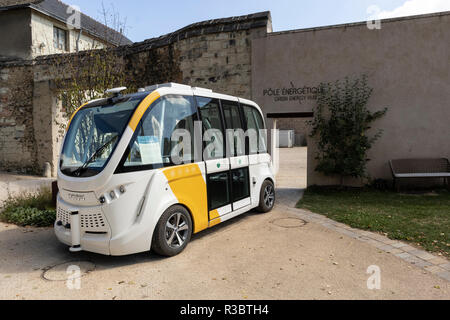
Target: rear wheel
(173, 232)
(267, 197)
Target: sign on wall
(291, 94)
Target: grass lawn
(423, 220)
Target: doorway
(293, 159)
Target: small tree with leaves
(84, 76)
(341, 124)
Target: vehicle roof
(201, 92)
(179, 89)
(103, 101)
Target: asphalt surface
(271, 256)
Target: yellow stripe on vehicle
(142, 108)
(189, 188)
(73, 115)
(215, 218)
(214, 214)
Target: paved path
(293, 166)
(272, 256)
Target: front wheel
(173, 232)
(267, 197)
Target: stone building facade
(42, 37)
(29, 29)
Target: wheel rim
(177, 229)
(269, 196)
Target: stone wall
(215, 54)
(17, 144)
(221, 62)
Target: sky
(146, 19)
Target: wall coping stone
(359, 24)
(238, 23)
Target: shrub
(341, 123)
(27, 216)
(35, 210)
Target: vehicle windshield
(94, 134)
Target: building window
(60, 39)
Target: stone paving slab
(444, 275)
(292, 160)
(419, 258)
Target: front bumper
(89, 229)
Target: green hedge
(26, 216)
(36, 210)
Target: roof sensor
(115, 91)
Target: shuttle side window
(240, 184)
(218, 190)
(163, 136)
(255, 130)
(212, 127)
(235, 130)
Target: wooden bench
(420, 168)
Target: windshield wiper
(97, 153)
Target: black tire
(166, 240)
(267, 197)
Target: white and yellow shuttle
(133, 177)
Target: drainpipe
(78, 40)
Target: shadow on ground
(29, 249)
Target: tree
(341, 124)
(84, 76)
